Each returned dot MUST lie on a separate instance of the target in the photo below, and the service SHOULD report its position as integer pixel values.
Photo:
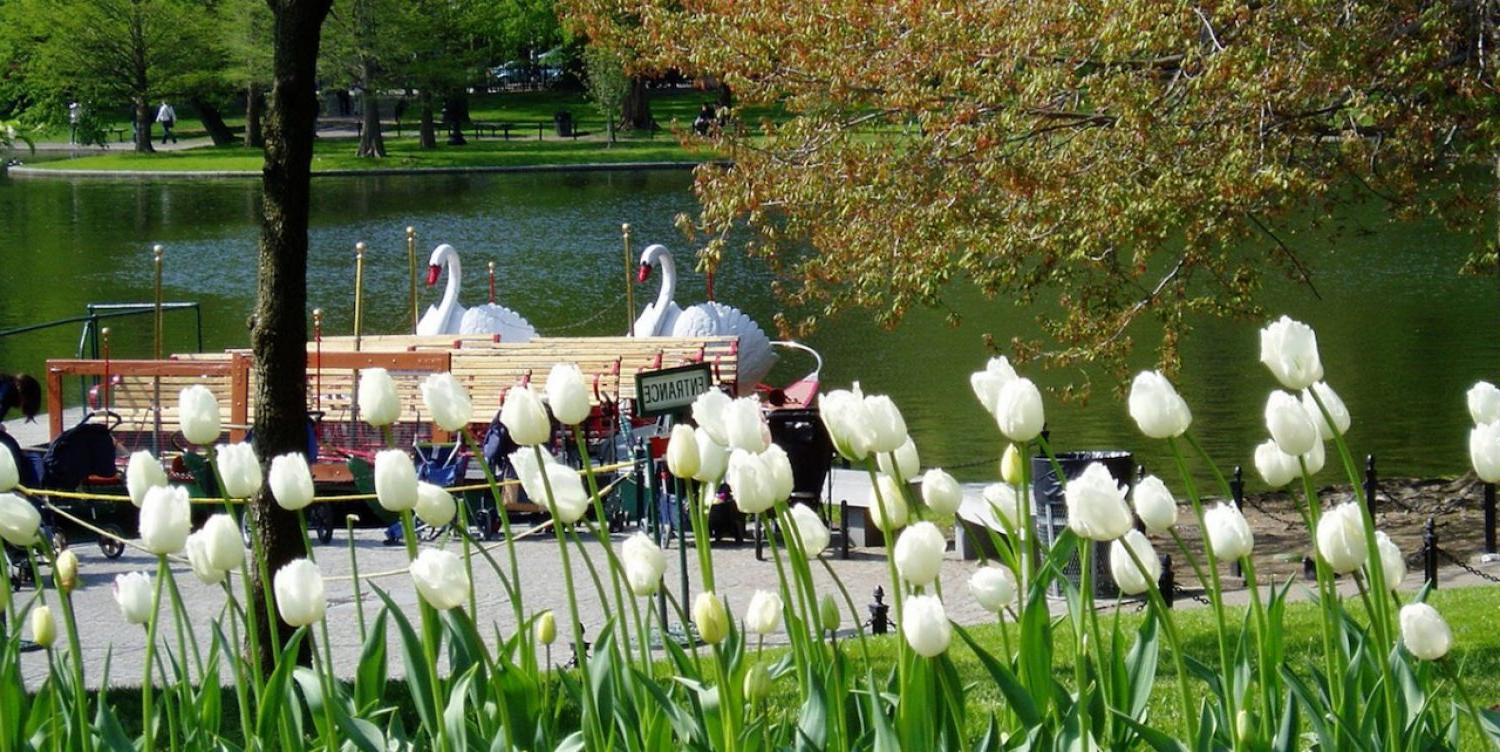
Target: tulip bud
(941, 492)
(299, 593)
(763, 613)
(197, 554)
(448, 401)
(812, 534)
(925, 625)
(907, 464)
(1096, 505)
(757, 683)
(440, 578)
(10, 475)
(779, 472)
(1158, 410)
(1424, 632)
(132, 593)
(1244, 727)
(43, 628)
(1011, 470)
(848, 422)
(1290, 350)
(546, 628)
(886, 422)
(708, 413)
(993, 587)
(750, 481)
(165, 518)
(1332, 404)
(644, 564)
(743, 425)
(1154, 504)
(1290, 425)
(239, 469)
(1276, 468)
(1001, 508)
(66, 569)
(198, 415)
(525, 418)
(919, 553)
(682, 451)
(226, 546)
(567, 496)
(1484, 403)
(888, 509)
(710, 618)
(1019, 411)
(1484, 451)
(1392, 563)
(1229, 535)
(291, 482)
(378, 404)
(1129, 577)
(987, 383)
(567, 396)
(828, 613)
(435, 506)
(143, 472)
(19, 520)
(1341, 538)
(1314, 458)
(395, 480)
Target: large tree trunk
(254, 104)
(427, 132)
(455, 115)
(371, 141)
(279, 335)
(213, 122)
(143, 126)
(635, 113)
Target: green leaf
(274, 701)
(370, 675)
(1020, 700)
(812, 719)
(419, 676)
(1155, 739)
(454, 723)
(1140, 665)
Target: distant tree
(367, 42)
(445, 50)
(607, 83)
(247, 40)
(616, 26)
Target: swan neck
(450, 293)
(664, 295)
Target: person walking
(168, 118)
(75, 114)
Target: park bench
(494, 129)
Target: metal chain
(580, 324)
(1275, 517)
(1461, 564)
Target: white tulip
(1392, 563)
(682, 451)
(941, 492)
(239, 468)
(1314, 458)
(300, 598)
(378, 404)
(888, 510)
(848, 421)
(919, 553)
(19, 520)
(165, 518)
(1019, 412)
(143, 472)
(1158, 410)
(43, 626)
(567, 395)
(907, 464)
(750, 481)
(395, 480)
(1341, 538)
(1424, 632)
(66, 567)
(828, 613)
(546, 628)
(763, 612)
(994, 587)
(1154, 504)
(525, 417)
(888, 427)
(1484, 451)
(132, 593)
(1290, 350)
(1002, 507)
(987, 383)
(224, 546)
(1011, 469)
(811, 533)
(198, 415)
(713, 458)
(708, 413)
(197, 554)
(1484, 403)
(1229, 535)
(644, 564)
(435, 506)
(1333, 404)
(291, 481)
(10, 475)
(1276, 468)
(1129, 577)
(744, 428)
(447, 401)
(440, 578)
(568, 497)
(1096, 505)
(779, 466)
(1289, 424)
(710, 617)
(925, 625)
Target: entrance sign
(671, 390)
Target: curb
(43, 172)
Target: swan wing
(756, 356)
(496, 319)
(700, 320)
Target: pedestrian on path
(168, 118)
(75, 114)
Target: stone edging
(43, 173)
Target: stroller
(83, 453)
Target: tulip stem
(888, 534)
(1445, 665)
(1159, 604)
(602, 533)
(1080, 631)
(1327, 593)
(797, 648)
(504, 514)
(252, 620)
(325, 677)
(235, 662)
(430, 631)
(359, 601)
(591, 719)
(75, 650)
(1270, 684)
(147, 683)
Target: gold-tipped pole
(158, 329)
(411, 266)
(629, 284)
(492, 283)
(318, 359)
(104, 398)
(359, 291)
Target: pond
(1402, 335)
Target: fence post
(1371, 484)
(760, 537)
(1237, 488)
(843, 528)
(1168, 582)
(1489, 518)
(1429, 552)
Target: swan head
(654, 255)
(435, 264)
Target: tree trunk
(427, 133)
(725, 95)
(371, 142)
(143, 126)
(254, 102)
(635, 113)
(279, 334)
(213, 122)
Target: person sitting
(20, 392)
(705, 120)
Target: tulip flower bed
(1374, 667)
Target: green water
(1401, 334)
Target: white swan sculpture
(664, 318)
(448, 317)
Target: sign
(670, 390)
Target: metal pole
(359, 291)
(1489, 518)
(492, 283)
(156, 257)
(318, 359)
(105, 385)
(1429, 552)
(1371, 486)
(1237, 487)
(629, 284)
(411, 269)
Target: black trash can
(802, 435)
(564, 122)
(1050, 511)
